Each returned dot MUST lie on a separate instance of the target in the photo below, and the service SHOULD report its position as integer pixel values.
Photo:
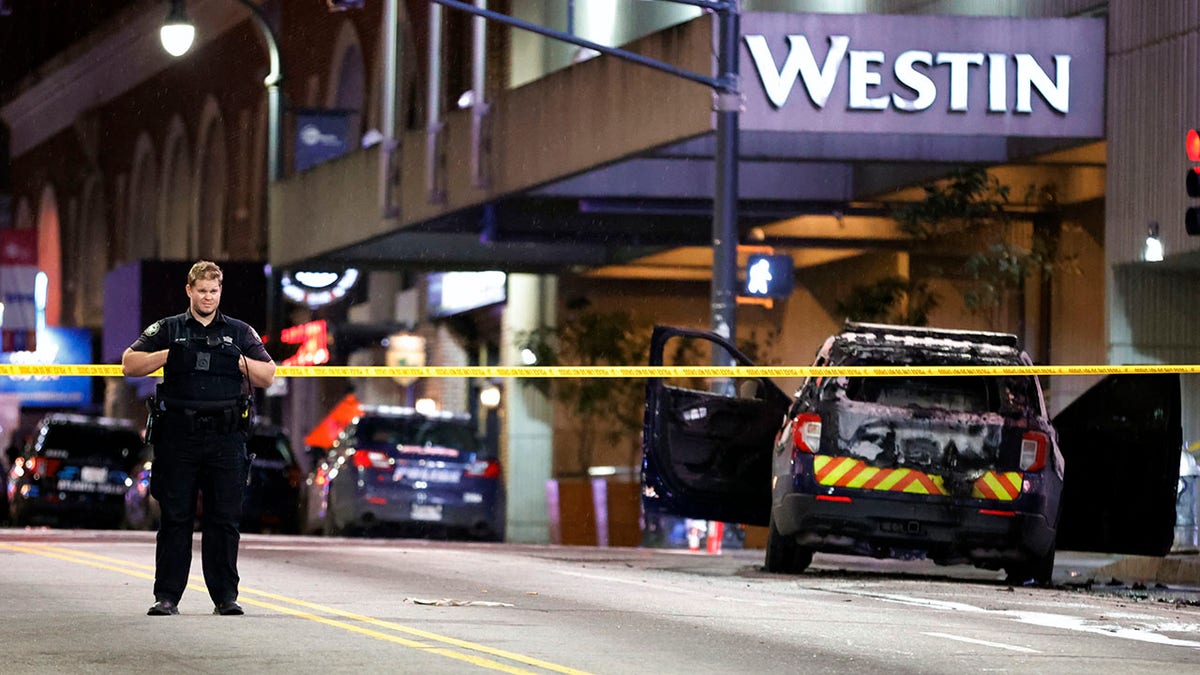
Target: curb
(1171, 570)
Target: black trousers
(190, 463)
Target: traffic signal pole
(728, 105)
(725, 202)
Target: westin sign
(923, 74)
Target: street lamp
(177, 34)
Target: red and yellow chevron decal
(849, 472)
(1004, 486)
(854, 473)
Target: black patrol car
(962, 468)
(74, 472)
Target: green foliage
(973, 204)
(611, 409)
(604, 409)
(893, 300)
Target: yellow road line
(131, 569)
(536, 372)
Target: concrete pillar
(527, 416)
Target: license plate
(426, 512)
(427, 474)
(94, 474)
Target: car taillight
(1033, 450)
(806, 432)
(42, 466)
(483, 469)
(371, 459)
(321, 477)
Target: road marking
(985, 643)
(1045, 619)
(131, 568)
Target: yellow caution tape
(11, 370)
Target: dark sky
(33, 31)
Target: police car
(954, 468)
(74, 472)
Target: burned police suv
(957, 468)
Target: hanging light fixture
(177, 32)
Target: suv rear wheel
(784, 556)
(1039, 570)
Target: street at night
(75, 600)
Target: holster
(154, 415)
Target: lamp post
(177, 34)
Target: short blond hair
(205, 270)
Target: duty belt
(223, 419)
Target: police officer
(199, 423)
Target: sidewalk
(1175, 569)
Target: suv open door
(707, 455)
(1120, 442)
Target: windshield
(74, 441)
(397, 431)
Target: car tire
(1038, 571)
(784, 556)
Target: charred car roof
(881, 343)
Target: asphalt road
(75, 601)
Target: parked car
(957, 468)
(395, 470)
(74, 472)
(275, 477)
(271, 496)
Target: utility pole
(728, 105)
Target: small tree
(603, 408)
(976, 206)
(611, 409)
(890, 300)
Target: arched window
(50, 254)
(24, 219)
(177, 196)
(142, 238)
(91, 245)
(347, 78)
(212, 185)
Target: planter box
(594, 512)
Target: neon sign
(317, 289)
(313, 338)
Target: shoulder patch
(152, 328)
(253, 333)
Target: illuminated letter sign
(942, 75)
(313, 339)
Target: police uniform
(200, 426)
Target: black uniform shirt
(223, 334)
(162, 334)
